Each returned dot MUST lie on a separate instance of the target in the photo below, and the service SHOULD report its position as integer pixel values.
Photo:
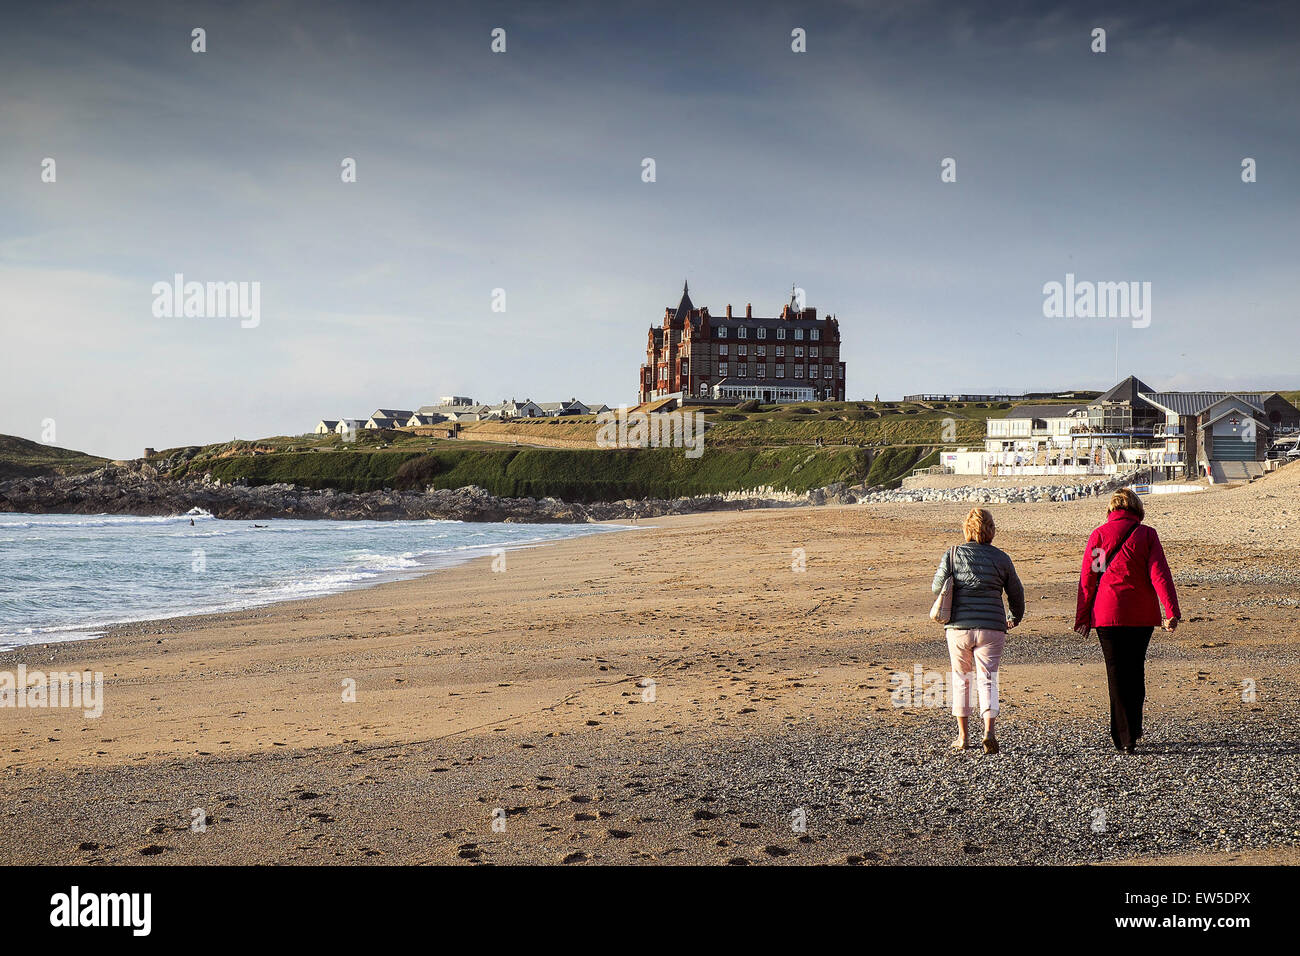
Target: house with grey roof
(389, 418)
(1221, 435)
(557, 409)
(326, 426)
(421, 418)
(515, 409)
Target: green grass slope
(574, 475)
(21, 458)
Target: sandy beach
(679, 693)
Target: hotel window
(742, 333)
(780, 351)
(780, 333)
(798, 334)
(742, 369)
(812, 351)
(760, 372)
(798, 351)
(762, 333)
(686, 366)
(815, 334)
(812, 371)
(722, 332)
(826, 373)
(780, 371)
(762, 351)
(722, 350)
(841, 372)
(798, 371)
(742, 349)
(722, 368)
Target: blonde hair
(978, 526)
(1126, 499)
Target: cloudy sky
(522, 171)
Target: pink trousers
(978, 651)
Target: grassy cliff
(21, 458)
(854, 423)
(574, 475)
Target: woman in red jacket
(1124, 581)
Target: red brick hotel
(792, 358)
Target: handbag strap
(1110, 560)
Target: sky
(522, 171)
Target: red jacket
(1138, 576)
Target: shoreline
(444, 560)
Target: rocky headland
(142, 490)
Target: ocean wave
(94, 521)
(370, 561)
(68, 580)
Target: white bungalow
(516, 409)
(556, 409)
(327, 426)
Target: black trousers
(1125, 650)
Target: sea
(68, 577)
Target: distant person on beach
(978, 625)
(1123, 583)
